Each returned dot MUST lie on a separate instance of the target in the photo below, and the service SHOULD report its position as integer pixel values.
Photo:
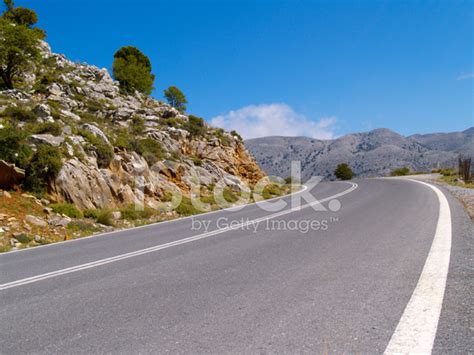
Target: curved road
(199, 285)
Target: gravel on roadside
(465, 195)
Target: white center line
(417, 328)
(97, 263)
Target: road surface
(352, 283)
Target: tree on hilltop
(132, 69)
(176, 98)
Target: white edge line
(151, 224)
(416, 330)
(164, 246)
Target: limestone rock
(96, 131)
(36, 221)
(47, 139)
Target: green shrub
(91, 213)
(93, 106)
(105, 152)
(138, 125)
(122, 140)
(343, 172)
(130, 213)
(235, 134)
(45, 80)
(223, 138)
(67, 209)
(400, 171)
(150, 149)
(271, 190)
(23, 238)
(105, 217)
(13, 146)
(195, 126)
(53, 128)
(208, 199)
(229, 195)
(19, 114)
(82, 227)
(448, 172)
(174, 122)
(291, 180)
(43, 168)
(186, 207)
(167, 196)
(196, 160)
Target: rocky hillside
(114, 148)
(373, 153)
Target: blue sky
(318, 68)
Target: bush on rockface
(195, 126)
(151, 150)
(19, 114)
(13, 147)
(53, 128)
(104, 152)
(235, 134)
(43, 168)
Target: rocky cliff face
(373, 153)
(84, 113)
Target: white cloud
(465, 76)
(274, 120)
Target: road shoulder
(455, 331)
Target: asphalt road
(264, 287)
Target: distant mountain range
(373, 153)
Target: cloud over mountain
(274, 119)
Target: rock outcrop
(104, 135)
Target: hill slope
(116, 148)
(373, 153)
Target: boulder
(36, 221)
(59, 221)
(10, 175)
(70, 115)
(116, 215)
(96, 131)
(5, 194)
(46, 139)
(84, 185)
(42, 111)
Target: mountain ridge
(372, 153)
